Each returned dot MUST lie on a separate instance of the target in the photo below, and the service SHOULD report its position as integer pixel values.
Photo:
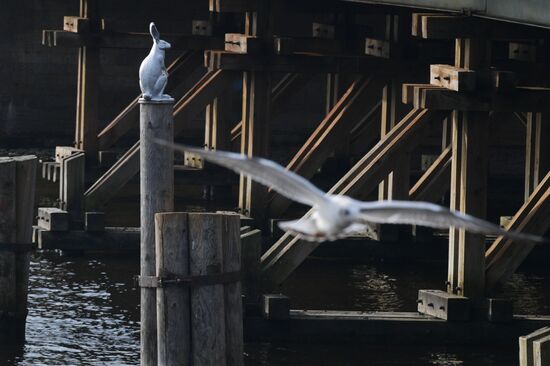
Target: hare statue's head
(162, 45)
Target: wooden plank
(8, 224)
(541, 351)
(505, 256)
(342, 118)
(445, 26)
(313, 45)
(378, 48)
(87, 113)
(433, 184)
(526, 351)
(173, 302)
(289, 252)
(537, 160)
(112, 240)
(251, 252)
(522, 52)
(208, 332)
(231, 6)
(178, 71)
(453, 78)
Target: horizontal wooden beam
(521, 99)
(59, 38)
(439, 26)
(242, 43)
(314, 45)
(76, 24)
(299, 63)
(505, 255)
(232, 6)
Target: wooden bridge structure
(372, 55)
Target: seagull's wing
(264, 171)
(431, 215)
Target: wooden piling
(173, 306)
(157, 195)
(17, 188)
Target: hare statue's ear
(154, 32)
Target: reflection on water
(84, 311)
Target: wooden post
(251, 246)
(466, 274)
(87, 99)
(157, 195)
(255, 120)
(72, 187)
(17, 192)
(537, 151)
(173, 306)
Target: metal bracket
(18, 247)
(188, 281)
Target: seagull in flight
(338, 216)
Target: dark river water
(84, 311)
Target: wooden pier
(398, 78)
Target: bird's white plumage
(334, 216)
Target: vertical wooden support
(17, 192)
(87, 99)
(255, 121)
(527, 354)
(251, 245)
(173, 302)
(72, 186)
(537, 151)
(396, 186)
(466, 274)
(157, 195)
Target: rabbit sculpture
(152, 72)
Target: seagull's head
(346, 208)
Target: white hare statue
(152, 72)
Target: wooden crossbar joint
(377, 48)
(320, 30)
(522, 52)
(453, 78)
(241, 43)
(75, 24)
(201, 27)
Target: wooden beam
(505, 256)
(440, 26)
(302, 63)
(76, 24)
(59, 38)
(313, 45)
(178, 71)
(358, 99)
(433, 184)
(210, 86)
(537, 145)
(289, 252)
(522, 99)
(453, 78)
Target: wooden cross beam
(210, 86)
(433, 184)
(289, 252)
(537, 153)
(505, 255)
(355, 103)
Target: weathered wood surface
(173, 302)
(289, 252)
(157, 195)
(537, 150)
(8, 224)
(251, 250)
(208, 325)
(526, 349)
(72, 186)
